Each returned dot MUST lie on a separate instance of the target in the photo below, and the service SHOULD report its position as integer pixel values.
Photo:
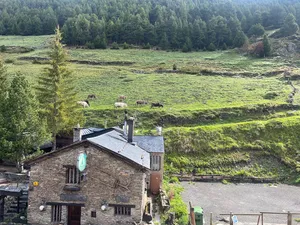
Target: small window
(93, 214)
(56, 213)
(123, 210)
(155, 162)
(72, 175)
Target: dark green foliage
(174, 67)
(224, 47)
(3, 48)
(115, 46)
(100, 42)
(23, 129)
(125, 45)
(164, 43)
(256, 30)
(211, 47)
(271, 95)
(90, 45)
(267, 46)
(147, 46)
(240, 39)
(289, 27)
(164, 23)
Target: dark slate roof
(115, 141)
(90, 130)
(13, 189)
(150, 143)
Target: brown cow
(122, 97)
(141, 102)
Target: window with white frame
(56, 213)
(155, 162)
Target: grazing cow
(120, 105)
(156, 104)
(84, 103)
(122, 98)
(141, 102)
(92, 96)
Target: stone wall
(102, 170)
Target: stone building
(102, 179)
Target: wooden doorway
(74, 215)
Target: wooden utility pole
(192, 215)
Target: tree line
(169, 24)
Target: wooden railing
(260, 216)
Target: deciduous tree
(23, 129)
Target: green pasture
(26, 41)
(214, 123)
(140, 80)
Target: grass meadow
(197, 105)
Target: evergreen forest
(167, 24)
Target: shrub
(3, 48)
(211, 47)
(174, 67)
(90, 45)
(224, 47)
(225, 181)
(9, 61)
(256, 30)
(125, 46)
(115, 46)
(271, 95)
(174, 180)
(147, 46)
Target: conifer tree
(290, 26)
(56, 94)
(267, 46)
(3, 94)
(23, 128)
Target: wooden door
(155, 182)
(2, 208)
(74, 215)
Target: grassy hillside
(259, 148)
(223, 113)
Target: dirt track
(244, 198)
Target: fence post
(258, 220)
(262, 218)
(230, 219)
(211, 222)
(289, 218)
(192, 215)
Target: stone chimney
(159, 130)
(130, 124)
(77, 133)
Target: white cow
(85, 104)
(120, 105)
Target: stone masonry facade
(107, 180)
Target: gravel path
(243, 198)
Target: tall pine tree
(56, 94)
